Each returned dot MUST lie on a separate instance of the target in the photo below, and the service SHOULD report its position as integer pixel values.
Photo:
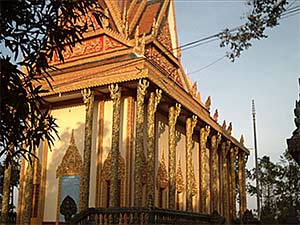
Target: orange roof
(148, 16)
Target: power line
(204, 67)
(291, 4)
(285, 17)
(215, 37)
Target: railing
(141, 216)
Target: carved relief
(106, 169)
(164, 36)
(162, 178)
(153, 54)
(99, 44)
(71, 163)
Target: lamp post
(294, 142)
(256, 161)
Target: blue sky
(267, 72)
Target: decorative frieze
(154, 100)
(190, 125)
(139, 149)
(114, 194)
(174, 112)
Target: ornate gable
(164, 36)
(162, 179)
(71, 163)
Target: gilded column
(129, 148)
(233, 153)
(88, 99)
(215, 141)
(154, 99)
(174, 112)
(242, 181)
(141, 92)
(99, 153)
(225, 151)
(28, 195)
(190, 125)
(204, 132)
(114, 194)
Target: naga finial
(208, 103)
(216, 115)
(229, 129)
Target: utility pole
(256, 161)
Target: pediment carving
(179, 179)
(71, 163)
(162, 178)
(106, 170)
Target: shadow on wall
(55, 157)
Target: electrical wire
(204, 67)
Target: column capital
(158, 94)
(87, 94)
(115, 91)
(142, 87)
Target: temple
(135, 135)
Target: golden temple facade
(134, 132)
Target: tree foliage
(264, 14)
(32, 32)
(279, 188)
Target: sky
(267, 72)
